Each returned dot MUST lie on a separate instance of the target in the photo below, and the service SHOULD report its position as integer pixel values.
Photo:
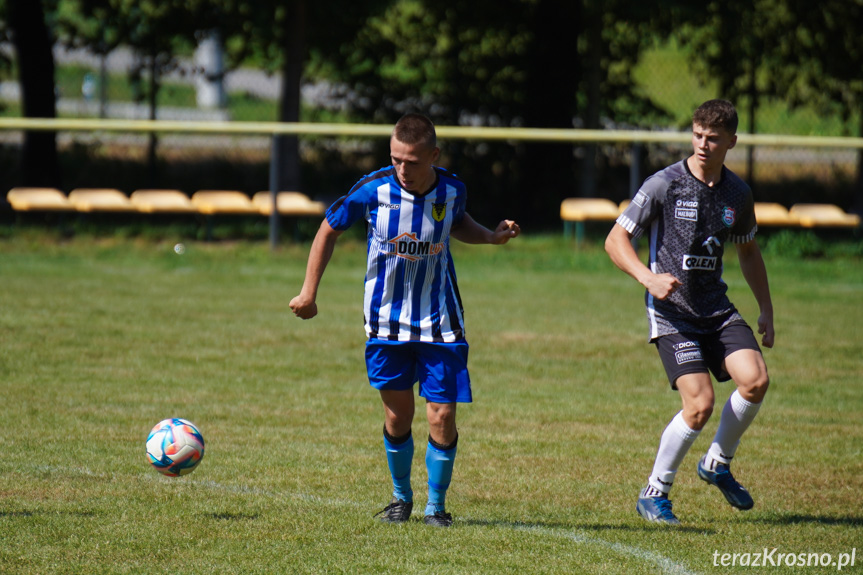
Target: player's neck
(422, 189)
(709, 175)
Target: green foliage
(794, 244)
(809, 244)
(792, 50)
(664, 75)
(488, 59)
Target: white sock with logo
(736, 417)
(673, 446)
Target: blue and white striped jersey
(410, 285)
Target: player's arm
(304, 305)
(755, 273)
(618, 245)
(471, 232)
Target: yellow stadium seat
(773, 214)
(38, 200)
(288, 204)
(581, 210)
(162, 202)
(588, 209)
(823, 216)
(214, 202)
(100, 200)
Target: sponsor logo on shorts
(699, 262)
(684, 345)
(687, 351)
(690, 214)
(640, 199)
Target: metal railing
(635, 138)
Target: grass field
(102, 338)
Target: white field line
(666, 565)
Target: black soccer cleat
(439, 519)
(397, 511)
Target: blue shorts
(440, 368)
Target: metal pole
(275, 186)
(635, 169)
(635, 177)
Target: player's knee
(755, 389)
(441, 418)
(398, 424)
(698, 414)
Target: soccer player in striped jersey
(413, 312)
(690, 210)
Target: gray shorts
(683, 353)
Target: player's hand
(661, 286)
(303, 308)
(765, 328)
(506, 230)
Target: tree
(33, 41)
(534, 63)
(155, 29)
(819, 57)
(790, 50)
(278, 35)
(730, 39)
(615, 34)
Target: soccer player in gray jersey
(690, 210)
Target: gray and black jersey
(689, 224)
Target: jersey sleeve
(745, 227)
(347, 210)
(460, 208)
(645, 207)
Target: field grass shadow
(228, 516)
(796, 519)
(16, 514)
(31, 513)
(584, 528)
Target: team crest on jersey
(409, 247)
(729, 216)
(438, 212)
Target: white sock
(675, 442)
(736, 417)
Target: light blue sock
(439, 463)
(399, 458)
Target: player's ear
(435, 155)
(733, 141)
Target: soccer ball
(175, 447)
